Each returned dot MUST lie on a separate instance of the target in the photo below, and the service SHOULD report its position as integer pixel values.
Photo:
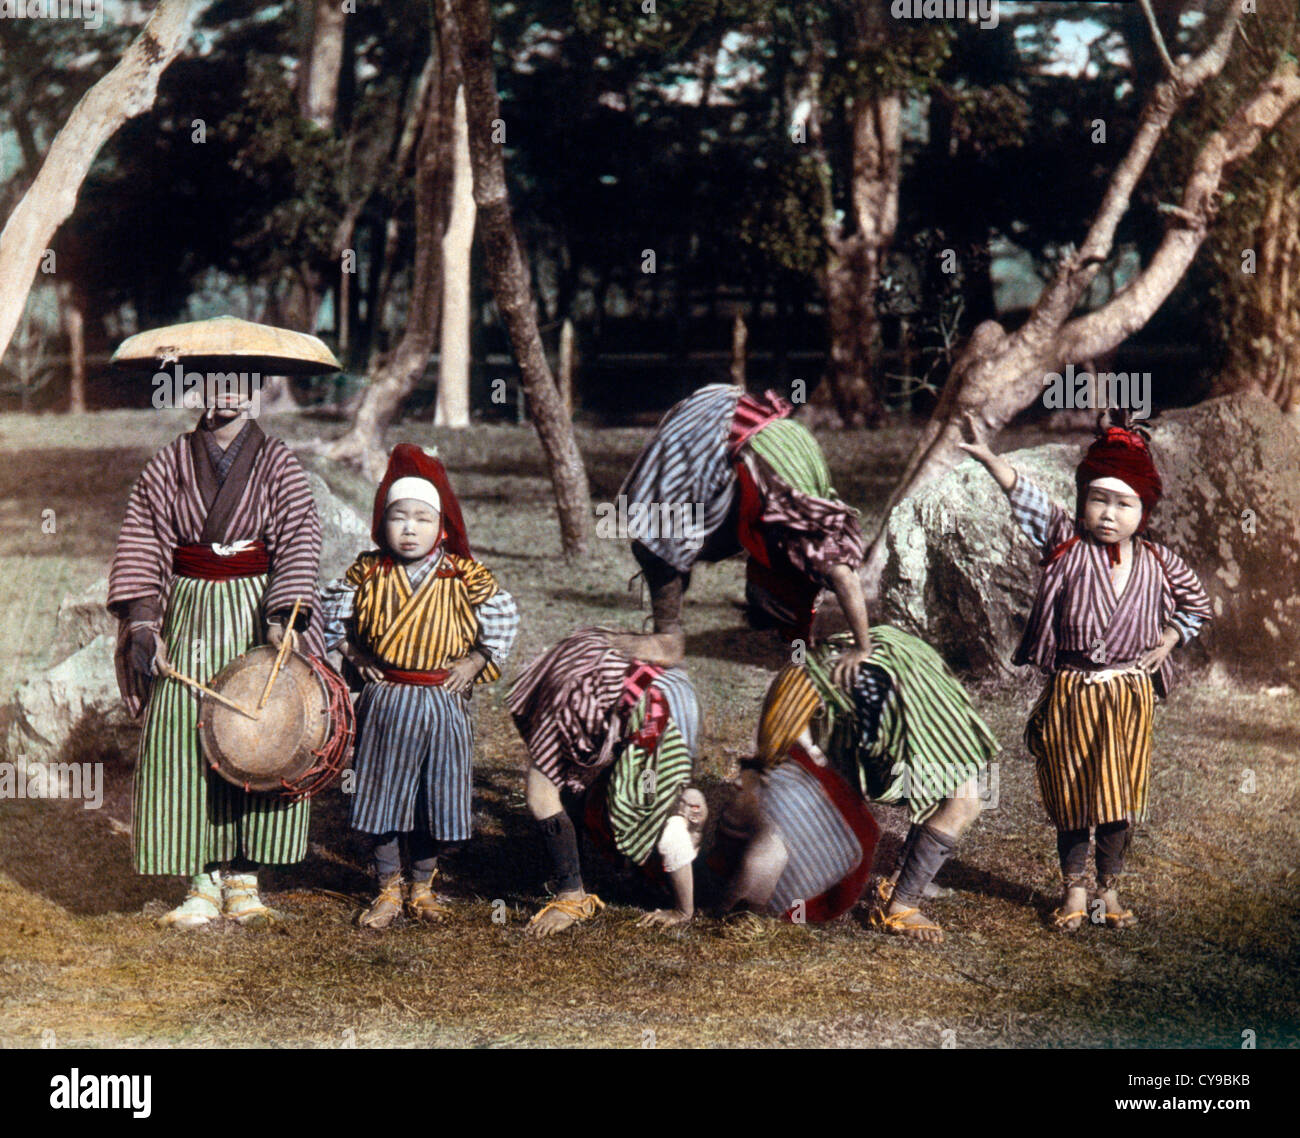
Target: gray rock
(345, 533)
(960, 574)
(76, 697)
(81, 617)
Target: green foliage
(289, 171)
(779, 225)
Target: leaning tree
(999, 373)
(127, 90)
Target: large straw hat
(226, 344)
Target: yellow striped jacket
(427, 629)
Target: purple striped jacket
(167, 508)
(1076, 610)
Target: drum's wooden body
(285, 741)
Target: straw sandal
(897, 924)
(1124, 920)
(423, 904)
(386, 905)
(1071, 922)
(580, 909)
(202, 904)
(240, 902)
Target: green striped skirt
(184, 816)
(930, 740)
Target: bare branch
(1157, 38)
(1110, 325)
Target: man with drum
(220, 539)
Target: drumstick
(280, 655)
(167, 670)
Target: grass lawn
(1213, 876)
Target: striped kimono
(1091, 729)
(415, 739)
(908, 731)
(187, 502)
(829, 837)
(586, 711)
(720, 444)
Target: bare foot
(1073, 911)
(1116, 916)
(903, 920)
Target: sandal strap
(899, 921)
(1062, 919)
(579, 909)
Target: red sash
(433, 679)
(200, 561)
(636, 684)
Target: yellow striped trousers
(1092, 743)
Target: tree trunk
(393, 375)
(318, 88)
(739, 350)
(1264, 352)
(851, 274)
(457, 247)
(997, 374)
(849, 281)
(126, 91)
(567, 363)
(507, 270)
(72, 316)
(318, 78)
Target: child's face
(1111, 516)
(412, 528)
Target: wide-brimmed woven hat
(223, 344)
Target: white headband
(1115, 485)
(421, 489)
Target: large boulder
(78, 697)
(960, 574)
(345, 533)
(82, 617)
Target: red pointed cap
(409, 461)
(1122, 454)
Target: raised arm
(1039, 519)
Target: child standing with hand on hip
(422, 622)
(1111, 606)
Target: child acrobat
(422, 622)
(622, 733)
(904, 731)
(1110, 607)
